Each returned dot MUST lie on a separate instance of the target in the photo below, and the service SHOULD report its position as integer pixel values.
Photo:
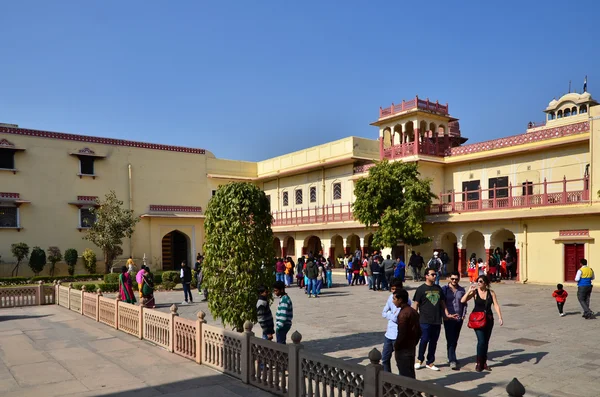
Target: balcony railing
(427, 146)
(526, 195)
(414, 104)
(322, 214)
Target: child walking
(561, 297)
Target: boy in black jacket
(263, 311)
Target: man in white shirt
(390, 312)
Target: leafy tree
(394, 198)
(37, 260)
(238, 252)
(89, 260)
(113, 224)
(20, 251)
(54, 256)
(71, 259)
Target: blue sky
(251, 80)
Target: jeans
(415, 273)
(405, 360)
(318, 286)
(583, 295)
(187, 292)
(483, 338)
(376, 282)
(349, 275)
(560, 306)
(386, 355)
(356, 279)
(311, 287)
(452, 329)
(281, 335)
(429, 336)
(444, 269)
(384, 283)
(437, 278)
(279, 277)
(370, 281)
(388, 278)
(329, 279)
(289, 279)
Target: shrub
(89, 260)
(88, 287)
(171, 276)
(109, 287)
(168, 285)
(20, 251)
(13, 280)
(111, 278)
(71, 259)
(54, 256)
(37, 260)
(158, 278)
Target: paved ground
(550, 355)
(50, 351)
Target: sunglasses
(453, 279)
(480, 281)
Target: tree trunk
(107, 263)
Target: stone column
(294, 369)
(246, 361)
(372, 374)
(489, 250)
(362, 246)
(199, 345)
(283, 253)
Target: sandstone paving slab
(73, 387)
(40, 373)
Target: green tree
(113, 224)
(71, 259)
(394, 198)
(238, 252)
(54, 256)
(20, 251)
(37, 260)
(89, 260)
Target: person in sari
(125, 287)
(148, 289)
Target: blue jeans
(311, 287)
(187, 292)
(281, 335)
(452, 329)
(437, 278)
(430, 334)
(444, 269)
(386, 356)
(370, 281)
(319, 284)
(279, 277)
(483, 338)
(288, 280)
(329, 280)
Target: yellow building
(533, 191)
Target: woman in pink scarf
(125, 289)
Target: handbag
(477, 320)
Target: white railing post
(56, 292)
(69, 296)
(294, 367)
(99, 294)
(40, 294)
(245, 359)
(372, 374)
(172, 326)
(199, 342)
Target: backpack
(434, 264)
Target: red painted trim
(10, 195)
(87, 198)
(174, 208)
(6, 144)
(101, 141)
(574, 233)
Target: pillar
(362, 246)
(283, 253)
(461, 261)
(346, 248)
(489, 250)
(417, 139)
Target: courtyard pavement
(551, 355)
(51, 351)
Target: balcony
(307, 216)
(527, 195)
(415, 103)
(427, 146)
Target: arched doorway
(175, 249)
(276, 247)
(506, 241)
(290, 247)
(313, 244)
(476, 245)
(337, 248)
(449, 245)
(369, 248)
(353, 243)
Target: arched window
(583, 109)
(559, 114)
(551, 116)
(567, 112)
(574, 111)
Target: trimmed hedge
(78, 277)
(170, 276)
(88, 287)
(158, 279)
(14, 280)
(109, 287)
(111, 278)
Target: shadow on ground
(22, 317)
